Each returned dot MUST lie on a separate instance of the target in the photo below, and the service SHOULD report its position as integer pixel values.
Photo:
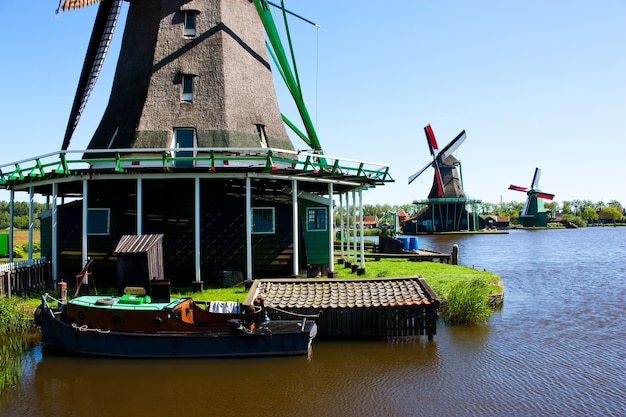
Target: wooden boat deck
(110, 302)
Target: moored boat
(133, 325)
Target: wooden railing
(24, 275)
(71, 162)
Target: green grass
(441, 277)
(236, 293)
(465, 293)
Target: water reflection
(556, 348)
(10, 360)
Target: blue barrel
(413, 243)
(405, 242)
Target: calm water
(557, 347)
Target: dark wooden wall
(168, 208)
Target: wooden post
(5, 283)
(8, 288)
(455, 254)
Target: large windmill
(192, 145)
(185, 63)
(446, 204)
(533, 213)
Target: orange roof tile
(333, 293)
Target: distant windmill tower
(447, 182)
(534, 213)
(446, 204)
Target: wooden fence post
(4, 283)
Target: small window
(98, 221)
(187, 88)
(260, 129)
(316, 218)
(190, 23)
(263, 220)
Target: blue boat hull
(274, 338)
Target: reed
(14, 330)
(467, 302)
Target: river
(556, 348)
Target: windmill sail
(545, 196)
(74, 4)
(432, 142)
(101, 35)
(446, 182)
(453, 145)
(418, 173)
(518, 188)
(434, 150)
(536, 177)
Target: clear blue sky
(534, 83)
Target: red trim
(517, 188)
(430, 137)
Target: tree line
(20, 214)
(575, 211)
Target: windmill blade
(420, 172)
(74, 4)
(545, 196)
(106, 18)
(524, 211)
(432, 142)
(453, 145)
(535, 183)
(439, 180)
(518, 188)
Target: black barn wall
(168, 208)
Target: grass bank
(467, 295)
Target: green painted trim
(280, 57)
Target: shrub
(13, 316)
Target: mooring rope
(46, 295)
(85, 328)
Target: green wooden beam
(278, 53)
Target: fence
(24, 275)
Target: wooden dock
(391, 248)
(416, 256)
